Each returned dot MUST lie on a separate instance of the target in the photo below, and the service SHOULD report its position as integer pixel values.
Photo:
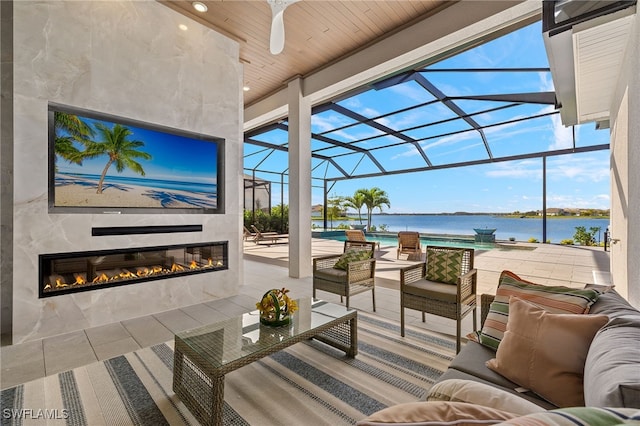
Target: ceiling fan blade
(276, 42)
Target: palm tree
(373, 198)
(335, 207)
(67, 130)
(119, 148)
(355, 202)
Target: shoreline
(78, 192)
(505, 215)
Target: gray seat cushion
(433, 290)
(472, 359)
(331, 274)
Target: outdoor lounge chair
(443, 285)
(357, 276)
(248, 235)
(358, 235)
(273, 237)
(409, 243)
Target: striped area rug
(307, 384)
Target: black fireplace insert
(64, 273)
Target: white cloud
(583, 168)
(525, 169)
(411, 92)
(328, 122)
(563, 136)
(562, 168)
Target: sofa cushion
(459, 390)
(452, 373)
(436, 413)
(612, 305)
(546, 352)
(612, 368)
(352, 255)
(578, 416)
(331, 274)
(473, 358)
(444, 266)
(432, 290)
(554, 299)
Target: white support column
(299, 181)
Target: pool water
(425, 240)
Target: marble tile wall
(129, 59)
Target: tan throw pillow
(444, 266)
(554, 299)
(352, 255)
(437, 413)
(546, 352)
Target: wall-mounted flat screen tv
(101, 163)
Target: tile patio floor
(265, 268)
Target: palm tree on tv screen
(121, 151)
(68, 129)
(373, 198)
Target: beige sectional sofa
(612, 367)
(608, 367)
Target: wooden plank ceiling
(317, 33)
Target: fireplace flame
(175, 267)
(193, 265)
(101, 278)
(60, 284)
(79, 280)
(210, 262)
(47, 287)
(125, 274)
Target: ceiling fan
(276, 42)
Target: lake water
(521, 229)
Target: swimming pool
(391, 239)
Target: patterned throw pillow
(579, 416)
(444, 266)
(553, 299)
(352, 255)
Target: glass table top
(233, 339)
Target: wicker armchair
(409, 243)
(358, 277)
(358, 235)
(454, 301)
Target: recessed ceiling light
(199, 6)
(246, 88)
(183, 27)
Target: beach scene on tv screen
(106, 164)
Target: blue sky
(573, 181)
(173, 157)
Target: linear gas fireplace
(64, 273)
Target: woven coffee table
(205, 354)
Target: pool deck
(548, 264)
